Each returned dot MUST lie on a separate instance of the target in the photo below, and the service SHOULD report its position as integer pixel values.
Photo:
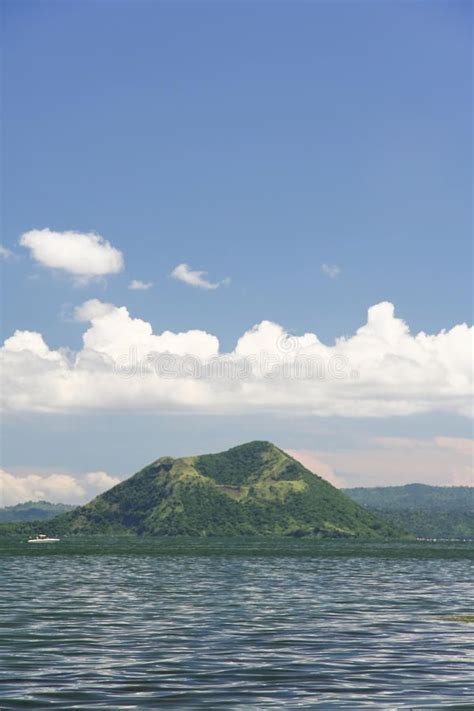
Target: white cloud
(92, 309)
(137, 285)
(114, 334)
(101, 481)
(394, 461)
(5, 253)
(331, 270)
(382, 370)
(183, 272)
(31, 342)
(56, 488)
(83, 255)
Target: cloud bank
(83, 255)
(56, 488)
(394, 461)
(382, 370)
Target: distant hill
(426, 511)
(253, 489)
(32, 511)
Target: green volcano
(253, 489)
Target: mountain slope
(32, 511)
(426, 511)
(252, 489)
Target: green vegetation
(32, 511)
(254, 489)
(425, 511)
(458, 618)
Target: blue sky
(253, 141)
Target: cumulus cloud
(137, 285)
(382, 370)
(5, 253)
(394, 461)
(100, 481)
(84, 255)
(330, 270)
(30, 342)
(116, 335)
(56, 488)
(92, 309)
(33, 487)
(183, 272)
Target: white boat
(43, 538)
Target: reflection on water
(129, 631)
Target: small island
(252, 489)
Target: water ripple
(135, 632)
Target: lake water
(127, 624)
